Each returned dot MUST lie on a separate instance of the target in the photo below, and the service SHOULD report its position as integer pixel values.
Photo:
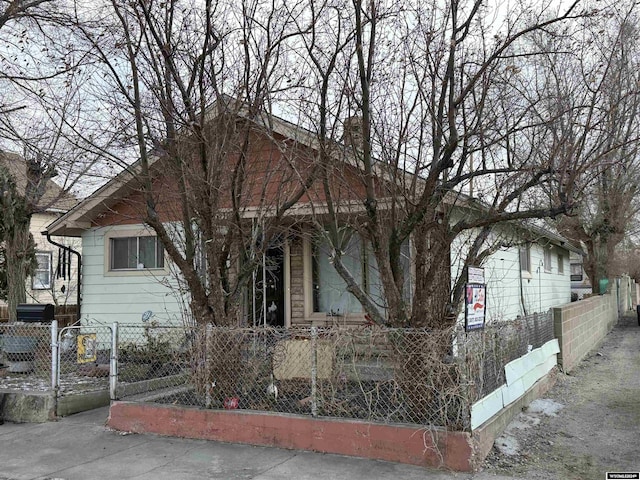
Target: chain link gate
(85, 360)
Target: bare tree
(434, 89)
(39, 77)
(595, 100)
(411, 106)
(190, 85)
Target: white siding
(502, 274)
(109, 297)
(510, 292)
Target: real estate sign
(475, 275)
(475, 306)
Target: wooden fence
(65, 314)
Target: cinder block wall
(581, 326)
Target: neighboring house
(49, 283)
(55, 278)
(127, 278)
(580, 283)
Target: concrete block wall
(581, 326)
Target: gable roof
(79, 218)
(54, 199)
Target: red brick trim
(395, 443)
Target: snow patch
(545, 406)
(507, 445)
(523, 421)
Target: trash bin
(35, 312)
(20, 352)
(604, 284)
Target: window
(525, 258)
(560, 263)
(329, 290)
(547, 259)
(136, 253)
(576, 272)
(41, 279)
(200, 257)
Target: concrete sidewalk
(81, 447)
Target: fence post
(113, 367)
(314, 371)
(55, 365)
(208, 401)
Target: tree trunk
(596, 263)
(433, 276)
(19, 249)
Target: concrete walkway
(597, 430)
(81, 447)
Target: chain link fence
(25, 357)
(486, 352)
(152, 359)
(387, 375)
(369, 373)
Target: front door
(266, 305)
(274, 286)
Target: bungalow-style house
(128, 278)
(55, 279)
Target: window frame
(49, 255)
(156, 254)
(547, 259)
(525, 270)
(130, 233)
(309, 248)
(560, 260)
(363, 281)
(576, 277)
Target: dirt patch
(598, 427)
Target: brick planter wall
(396, 443)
